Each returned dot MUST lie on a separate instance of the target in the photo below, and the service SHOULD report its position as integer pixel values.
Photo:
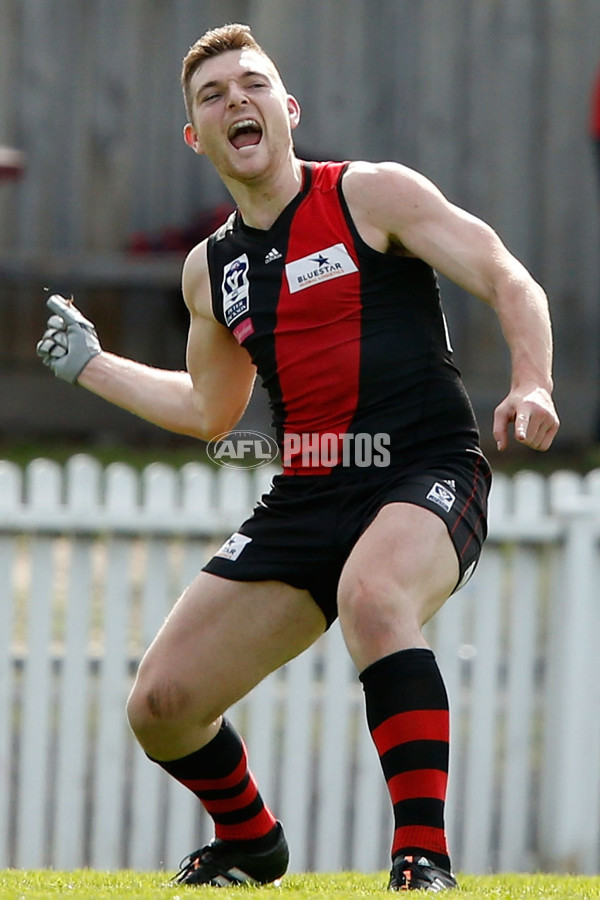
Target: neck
(262, 200)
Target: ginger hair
(211, 44)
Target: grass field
(90, 885)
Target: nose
(236, 96)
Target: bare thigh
(399, 573)
(221, 638)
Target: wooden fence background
(487, 97)
(91, 560)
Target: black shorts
(304, 529)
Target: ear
(293, 108)
(191, 138)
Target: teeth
(245, 123)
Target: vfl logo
(236, 289)
(440, 494)
(323, 265)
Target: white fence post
(107, 832)
(34, 750)
(570, 826)
(522, 657)
(83, 484)
(295, 806)
(10, 498)
(480, 757)
(332, 778)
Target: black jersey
(346, 340)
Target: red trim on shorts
(471, 536)
(470, 498)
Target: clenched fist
(70, 340)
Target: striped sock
(407, 713)
(219, 776)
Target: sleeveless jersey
(350, 343)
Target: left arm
(393, 205)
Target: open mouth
(246, 133)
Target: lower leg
(220, 640)
(219, 776)
(407, 712)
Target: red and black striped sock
(219, 776)
(407, 713)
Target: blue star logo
(322, 260)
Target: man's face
(242, 115)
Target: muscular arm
(221, 371)
(393, 205)
(204, 401)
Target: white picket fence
(91, 559)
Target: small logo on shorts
(232, 547)
(440, 494)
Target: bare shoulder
(195, 281)
(385, 197)
(365, 179)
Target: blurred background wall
(489, 98)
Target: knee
(364, 606)
(367, 601)
(376, 619)
(154, 705)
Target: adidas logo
(272, 255)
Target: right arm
(221, 371)
(204, 401)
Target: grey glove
(70, 340)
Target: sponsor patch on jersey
(236, 289)
(232, 547)
(332, 262)
(441, 495)
(243, 330)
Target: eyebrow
(216, 82)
